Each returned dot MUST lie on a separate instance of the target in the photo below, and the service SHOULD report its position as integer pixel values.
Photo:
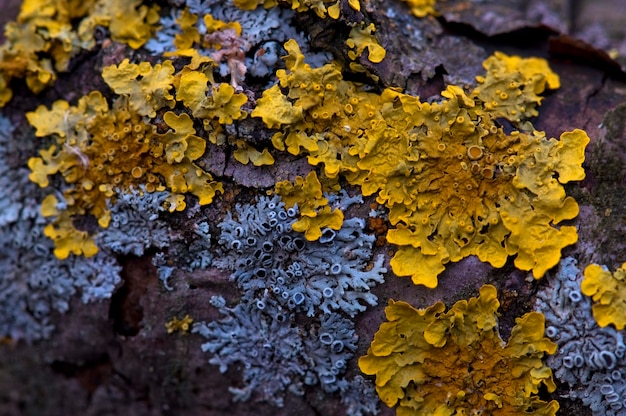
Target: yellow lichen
(511, 85)
(224, 38)
(455, 183)
(315, 213)
(101, 151)
(222, 103)
(189, 33)
(214, 25)
(608, 291)
(322, 8)
(148, 87)
(421, 8)
(362, 38)
(67, 239)
(183, 325)
(246, 153)
(48, 33)
(130, 21)
(437, 362)
(275, 110)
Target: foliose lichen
(455, 183)
(33, 282)
(49, 33)
(136, 224)
(103, 151)
(283, 276)
(278, 357)
(437, 362)
(608, 291)
(262, 33)
(314, 212)
(269, 260)
(589, 359)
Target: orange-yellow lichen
(421, 8)
(148, 87)
(437, 362)
(183, 325)
(100, 151)
(455, 183)
(315, 213)
(608, 291)
(221, 103)
(245, 154)
(189, 33)
(129, 21)
(214, 25)
(48, 33)
(276, 110)
(321, 7)
(511, 85)
(362, 37)
(67, 239)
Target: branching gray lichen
(270, 261)
(33, 282)
(283, 275)
(589, 359)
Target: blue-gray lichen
(270, 261)
(359, 396)
(263, 33)
(135, 224)
(590, 359)
(265, 341)
(328, 347)
(279, 356)
(33, 282)
(283, 276)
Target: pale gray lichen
(279, 356)
(590, 359)
(282, 275)
(135, 225)
(265, 341)
(328, 347)
(33, 282)
(359, 396)
(270, 261)
(264, 31)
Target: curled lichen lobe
(455, 182)
(438, 362)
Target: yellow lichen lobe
(422, 8)
(67, 239)
(608, 291)
(246, 153)
(437, 362)
(48, 34)
(512, 84)
(315, 214)
(455, 183)
(361, 38)
(148, 87)
(102, 151)
(183, 325)
(130, 21)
